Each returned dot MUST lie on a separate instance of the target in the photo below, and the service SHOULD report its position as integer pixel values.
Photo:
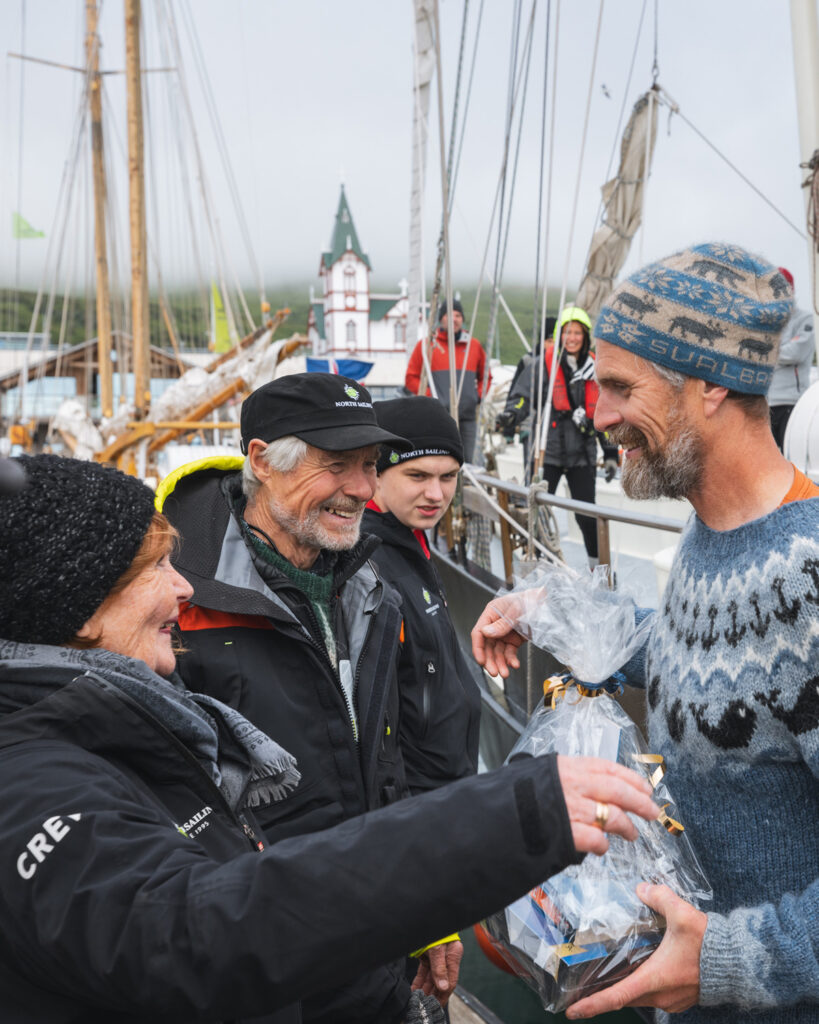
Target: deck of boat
(464, 1008)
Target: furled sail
(623, 206)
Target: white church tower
(348, 322)
(345, 274)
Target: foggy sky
(314, 90)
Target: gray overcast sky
(307, 89)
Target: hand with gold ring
(598, 795)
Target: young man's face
(418, 492)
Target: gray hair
(755, 407)
(282, 455)
(674, 377)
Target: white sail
(623, 200)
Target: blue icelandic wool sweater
(732, 675)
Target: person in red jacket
(472, 378)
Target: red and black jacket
(470, 363)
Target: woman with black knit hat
(133, 884)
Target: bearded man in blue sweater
(685, 353)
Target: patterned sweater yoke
(732, 673)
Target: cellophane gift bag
(585, 928)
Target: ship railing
(514, 533)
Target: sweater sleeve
(768, 955)
(412, 380)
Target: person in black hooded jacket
(440, 702)
(134, 885)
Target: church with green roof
(348, 321)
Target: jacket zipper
(351, 712)
(426, 702)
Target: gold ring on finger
(601, 814)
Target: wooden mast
(100, 246)
(136, 181)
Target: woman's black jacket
(130, 892)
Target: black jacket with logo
(130, 892)
(252, 641)
(440, 700)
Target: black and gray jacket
(253, 641)
(440, 700)
(130, 892)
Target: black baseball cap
(326, 410)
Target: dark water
(509, 997)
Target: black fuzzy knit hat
(65, 540)
(426, 425)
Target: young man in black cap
(440, 701)
(472, 378)
(289, 621)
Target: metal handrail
(604, 514)
(542, 497)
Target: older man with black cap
(686, 349)
(472, 377)
(290, 622)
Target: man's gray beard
(670, 472)
(311, 533)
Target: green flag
(20, 228)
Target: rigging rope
(212, 221)
(537, 416)
(55, 244)
(469, 474)
(20, 154)
(556, 350)
(194, 229)
(466, 104)
(483, 271)
(538, 233)
(675, 110)
(501, 265)
(602, 205)
(507, 135)
(226, 164)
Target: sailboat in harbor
(134, 394)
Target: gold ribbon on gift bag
(556, 687)
(655, 778)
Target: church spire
(344, 236)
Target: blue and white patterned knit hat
(713, 311)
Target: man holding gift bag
(685, 353)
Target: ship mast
(100, 247)
(805, 35)
(136, 187)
